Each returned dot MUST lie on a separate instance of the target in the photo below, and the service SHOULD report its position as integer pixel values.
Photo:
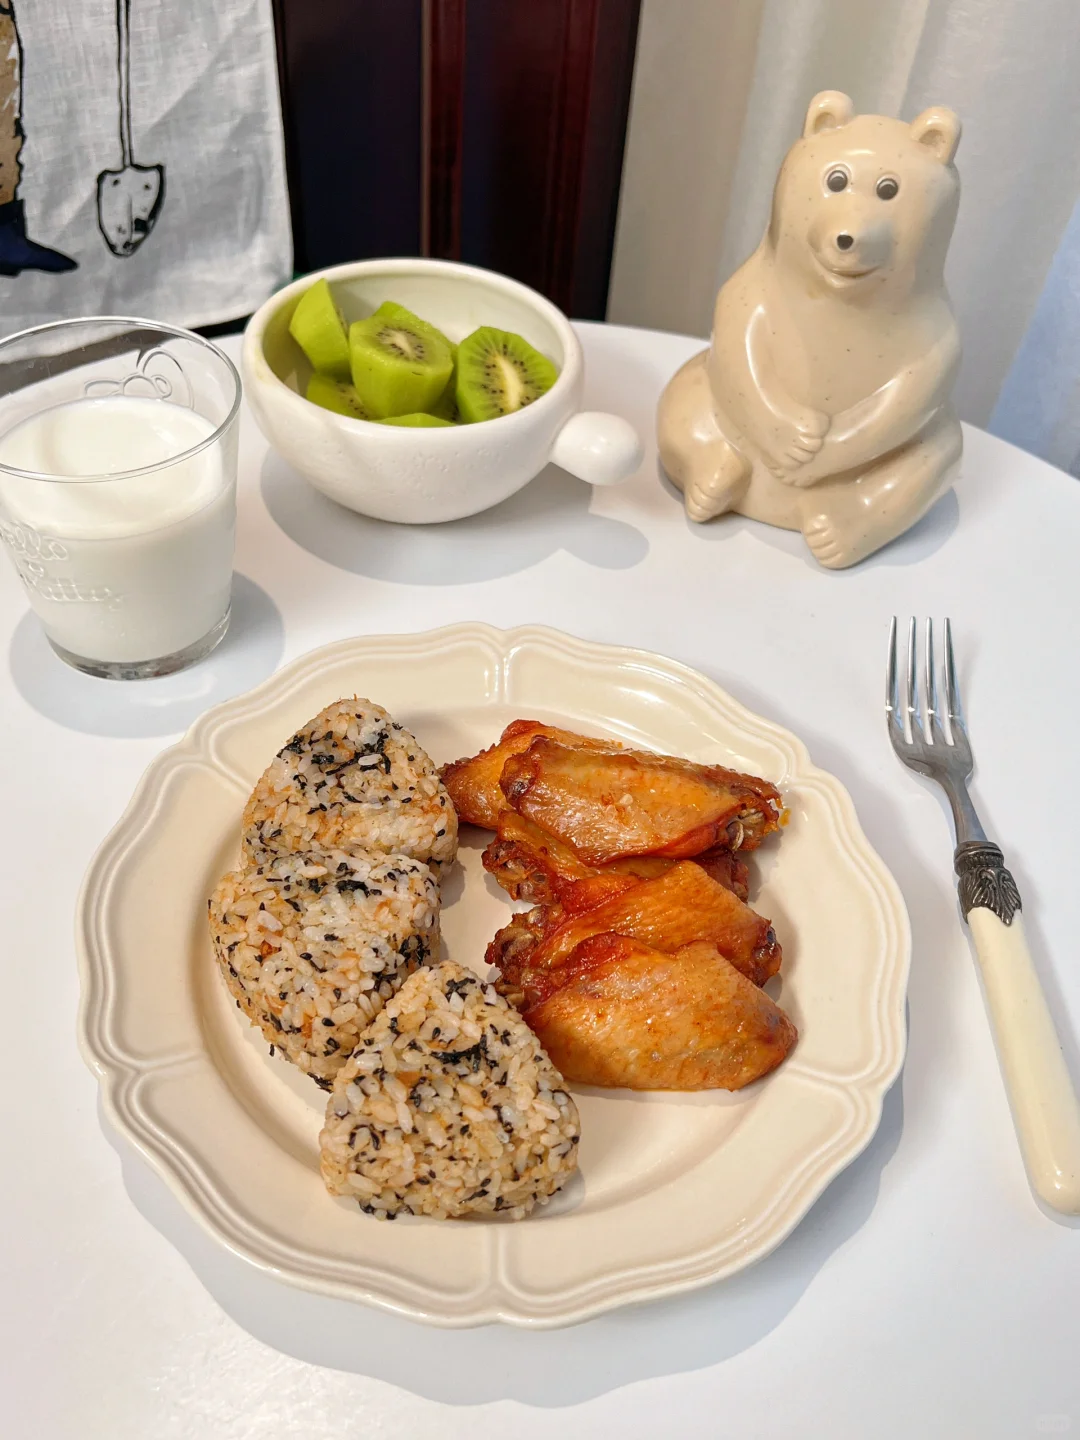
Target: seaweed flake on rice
(313, 945)
(352, 779)
(448, 1107)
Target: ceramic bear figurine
(822, 404)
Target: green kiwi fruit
(391, 310)
(445, 408)
(446, 405)
(400, 364)
(318, 328)
(337, 395)
(499, 372)
(419, 420)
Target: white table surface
(924, 1295)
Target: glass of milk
(118, 490)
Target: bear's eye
(887, 187)
(837, 180)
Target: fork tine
(936, 733)
(952, 693)
(912, 724)
(892, 689)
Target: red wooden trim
(444, 117)
(601, 180)
(568, 142)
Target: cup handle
(599, 449)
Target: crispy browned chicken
(675, 909)
(641, 963)
(619, 1013)
(473, 783)
(531, 865)
(609, 804)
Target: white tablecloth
(925, 1294)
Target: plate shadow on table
(924, 539)
(251, 650)
(550, 514)
(546, 1369)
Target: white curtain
(1039, 404)
(1011, 70)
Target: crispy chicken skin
(473, 783)
(676, 909)
(640, 963)
(532, 865)
(606, 805)
(619, 1013)
(512, 946)
(528, 863)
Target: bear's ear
(828, 110)
(939, 131)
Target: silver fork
(933, 741)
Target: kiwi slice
(391, 310)
(445, 408)
(400, 364)
(419, 420)
(497, 373)
(446, 405)
(337, 395)
(318, 327)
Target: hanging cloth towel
(141, 161)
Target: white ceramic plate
(675, 1190)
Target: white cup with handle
(418, 476)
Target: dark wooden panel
(513, 63)
(351, 94)
(602, 157)
(486, 130)
(547, 90)
(566, 154)
(444, 115)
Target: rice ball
(311, 946)
(352, 779)
(448, 1107)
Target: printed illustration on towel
(17, 251)
(129, 200)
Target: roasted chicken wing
(675, 909)
(606, 805)
(474, 783)
(619, 1013)
(531, 865)
(512, 946)
(640, 964)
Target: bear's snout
(853, 244)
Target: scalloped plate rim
(120, 1075)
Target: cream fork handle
(1044, 1104)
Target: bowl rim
(255, 333)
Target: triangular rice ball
(448, 1107)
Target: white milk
(120, 570)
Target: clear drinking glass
(118, 490)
